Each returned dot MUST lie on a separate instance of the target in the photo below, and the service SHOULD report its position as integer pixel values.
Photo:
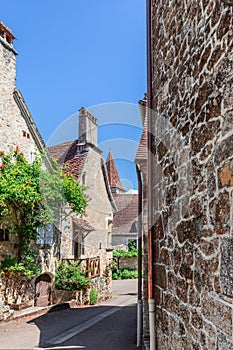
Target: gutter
(139, 304)
(151, 300)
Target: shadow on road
(116, 331)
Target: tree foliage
(32, 196)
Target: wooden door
(43, 286)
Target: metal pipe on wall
(139, 305)
(151, 300)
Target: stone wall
(193, 173)
(128, 263)
(16, 291)
(13, 127)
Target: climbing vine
(32, 196)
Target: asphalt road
(110, 325)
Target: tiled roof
(63, 151)
(66, 154)
(83, 225)
(126, 217)
(142, 147)
(113, 176)
(75, 165)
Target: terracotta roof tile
(125, 219)
(63, 151)
(83, 225)
(75, 165)
(142, 147)
(113, 176)
(66, 154)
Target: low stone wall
(5, 311)
(103, 287)
(82, 297)
(128, 263)
(61, 296)
(16, 293)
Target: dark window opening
(132, 244)
(4, 235)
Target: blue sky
(75, 53)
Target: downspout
(139, 304)
(151, 300)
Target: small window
(100, 245)
(24, 133)
(4, 235)
(46, 235)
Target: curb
(37, 311)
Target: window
(78, 245)
(46, 235)
(4, 235)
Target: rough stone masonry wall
(193, 173)
(13, 128)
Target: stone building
(17, 128)
(191, 173)
(125, 221)
(88, 236)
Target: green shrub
(127, 254)
(125, 274)
(28, 268)
(93, 296)
(71, 277)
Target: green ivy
(33, 196)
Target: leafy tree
(32, 196)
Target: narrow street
(110, 325)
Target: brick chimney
(87, 132)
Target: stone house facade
(89, 236)
(17, 129)
(191, 173)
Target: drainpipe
(151, 300)
(139, 305)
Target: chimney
(6, 34)
(87, 132)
